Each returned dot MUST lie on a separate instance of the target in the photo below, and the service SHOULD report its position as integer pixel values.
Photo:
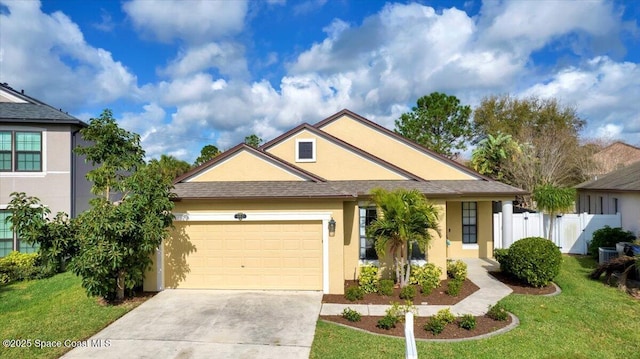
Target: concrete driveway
(211, 324)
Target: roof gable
(394, 148)
(336, 159)
(16, 107)
(245, 163)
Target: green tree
(547, 133)
(55, 237)
(553, 200)
(206, 153)
(492, 155)
(117, 238)
(172, 167)
(438, 122)
(253, 140)
(407, 219)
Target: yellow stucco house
(291, 215)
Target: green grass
(52, 309)
(588, 320)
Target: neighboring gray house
(617, 191)
(36, 157)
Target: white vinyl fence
(571, 232)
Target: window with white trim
(368, 214)
(20, 151)
(469, 222)
(306, 150)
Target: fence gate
(571, 232)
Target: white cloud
(194, 22)
(603, 91)
(37, 62)
(227, 58)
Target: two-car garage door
(246, 255)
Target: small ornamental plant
(435, 325)
(453, 287)
(385, 287)
(498, 312)
(351, 315)
(408, 292)
(445, 315)
(467, 322)
(354, 293)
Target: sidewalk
(490, 292)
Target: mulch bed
(484, 325)
(437, 297)
(520, 288)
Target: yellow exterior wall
(178, 248)
(485, 231)
(437, 252)
(245, 166)
(351, 241)
(393, 151)
(334, 162)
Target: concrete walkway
(490, 292)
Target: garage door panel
(253, 255)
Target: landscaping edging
(557, 292)
(514, 323)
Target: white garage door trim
(325, 217)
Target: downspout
(74, 181)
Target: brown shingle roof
(624, 179)
(335, 189)
(258, 189)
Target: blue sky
(184, 74)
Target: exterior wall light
(240, 216)
(332, 227)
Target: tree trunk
(120, 285)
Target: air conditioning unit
(606, 254)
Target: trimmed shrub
(387, 322)
(408, 292)
(457, 270)
(453, 287)
(498, 312)
(435, 326)
(467, 322)
(445, 315)
(351, 315)
(18, 266)
(502, 256)
(385, 287)
(608, 237)
(427, 277)
(368, 279)
(534, 260)
(353, 293)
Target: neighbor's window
(306, 150)
(28, 151)
(6, 235)
(367, 246)
(20, 151)
(5, 151)
(6, 238)
(469, 222)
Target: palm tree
(553, 200)
(406, 220)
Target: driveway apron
(211, 324)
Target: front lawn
(588, 320)
(52, 309)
